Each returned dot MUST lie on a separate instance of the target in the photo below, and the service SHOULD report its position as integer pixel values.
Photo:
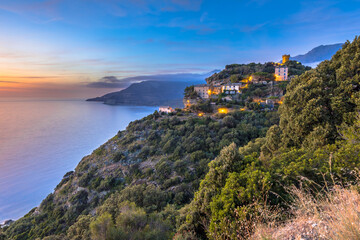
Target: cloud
(108, 82)
(190, 5)
(29, 77)
(39, 9)
(120, 8)
(253, 28)
(8, 82)
(200, 29)
(204, 17)
(114, 82)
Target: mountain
(154, 90)
(318, 54)
(149, 93)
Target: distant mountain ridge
(154, 90)
(148, 93)
(318, 54)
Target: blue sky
(65, 44)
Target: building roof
(233, 84)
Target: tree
(320, 100)
(80, 229)
(101, 228)
(234, 78)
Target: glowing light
(285, 58)
(223, 110)
(277, 78)
(242, 109)
(258, 100)
(209, 92)
(200, 114)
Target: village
(257, 91)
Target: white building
(232, 88)
(166, 109)
(281, 73)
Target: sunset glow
(51, 49)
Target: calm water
(42, 140)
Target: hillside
(237, 72)
(219, 175)
(315, 147)
(318, 54)
(156, 163)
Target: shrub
(331, 215)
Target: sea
(41, 140)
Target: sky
(68, 48)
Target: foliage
(189, 92)
(320, 100)
(157, 162)
(306, 150)
(236, 72)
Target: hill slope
(151, 169)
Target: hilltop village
(244, 87)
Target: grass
(332, 215)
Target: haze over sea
(42, 140)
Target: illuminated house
(281, 73)
(206, 91)
(166, 109)
(216, 90)
(232, 88)
(203, 90)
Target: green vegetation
(189, 92)
(316, 145)
(189, 177)
(236, 72)
(140, 178)
(296, 68)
